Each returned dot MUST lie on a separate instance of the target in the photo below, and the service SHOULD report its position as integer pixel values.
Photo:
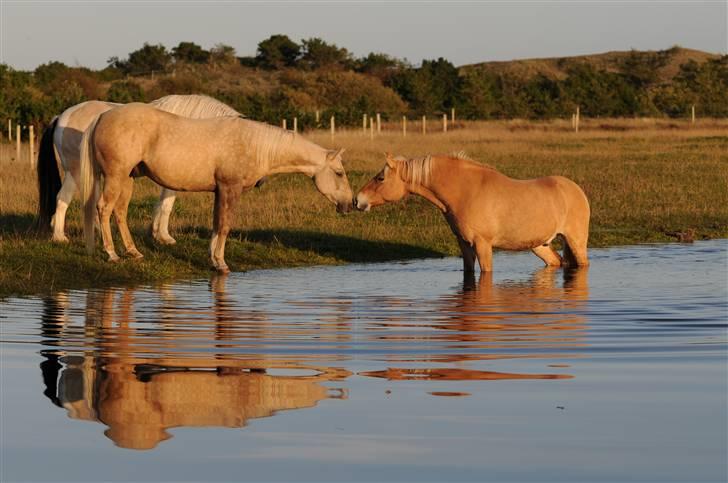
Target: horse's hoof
(166, 241)
(224, 270)
(136, 255)
(113, 259)
(60, 239)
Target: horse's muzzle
(344, 207)
(363, 206)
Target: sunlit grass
(644, 179)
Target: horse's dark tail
(49, 178)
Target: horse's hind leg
(65, 195)
(160, 223)
(105, 206)
(575, 251)
(120, 213)
(548, 255)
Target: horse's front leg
(160, 221)
(226, 199)
(468, 253)
(484, 250)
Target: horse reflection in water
(140, 383)
(143, 361)
(495, 321)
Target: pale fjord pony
(486, 209)
(224, 155)
(62, 138)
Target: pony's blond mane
(418, 171)
(195, 106)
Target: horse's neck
(441, 189)
(297, 156)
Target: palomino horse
(63, 137)
(224, 155)
(487, 209)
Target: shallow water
(397, 371)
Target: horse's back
(519, 214)
(177, 152)
(70, 128)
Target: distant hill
(556, 67)
(323, 80)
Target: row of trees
(286, 79)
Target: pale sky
(88, 32)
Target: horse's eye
(340, 174)
(380, 178)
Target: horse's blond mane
(418, 171)
(195, 106)
(271, 142)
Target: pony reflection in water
(222, 155)
(486, 209)
(62, 139)
(538, 318)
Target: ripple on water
(226, 351)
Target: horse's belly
(522, 243)
(180, 180)
(525, 234)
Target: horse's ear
(333, 154)
(390, 160)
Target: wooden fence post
(371, 128)
(364, 124)
(31, 144)
(283, 124)
(576, 126)
(379, 123)
(573, 121)
(295, 125)
(692, 114)
(17, 142)
(452, 115)
(424, 124)
(10, 130)
(404, 126)
(333, 127)
(444, 123)
(318, 118)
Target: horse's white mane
(269, 142)
(194, 106)
(272, 142)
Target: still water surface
(398, 371)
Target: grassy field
(644, 178)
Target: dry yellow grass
(644, 178)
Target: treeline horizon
(287, 78)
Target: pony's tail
(89, 184)
(49, 177)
